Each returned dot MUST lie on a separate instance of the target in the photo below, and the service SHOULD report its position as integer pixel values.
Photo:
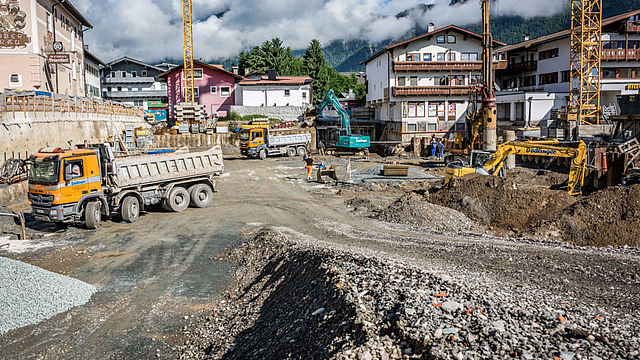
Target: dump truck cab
(61, 182)
(252, 138)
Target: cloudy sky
(150, 30)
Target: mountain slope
(347, 56)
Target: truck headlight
(52, 213)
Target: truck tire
(92, 215)
(262, 154)
(201, 195)
(177, 200)
(130, 209)
(302, 151)
(291, 152)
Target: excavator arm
(331, 98)
(548, 148)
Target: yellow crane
(187, 41)
(489, 109)
(586, 51)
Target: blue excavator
(347, 139)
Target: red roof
(199, 63)
(280, 80)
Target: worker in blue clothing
(434, 146)
(440, 146)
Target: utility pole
(489, 110)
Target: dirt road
(153, 274)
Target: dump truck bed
(150, 169)
(283, 140)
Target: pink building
(214, 87)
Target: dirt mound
(501, 202)
(609, 217)
(412, 209)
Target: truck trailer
(90, 184)
(259, 142)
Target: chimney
(235, 69)
(431, 28)
(527, 37)
(273, 75)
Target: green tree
(316, 67)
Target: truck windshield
(45, 171)
(244, 135)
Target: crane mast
(586, 51)
(489, 110)
(187, 40)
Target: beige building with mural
(28, 31)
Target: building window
(413, 57)
(134, 74)
(549, 78)
(566, 76)
(451, 57)
(451, 39)
(124, 74)
(113, 74)
(197, 74)
(457, 80)
(414, 110)
(225, 91)
(427, 57)
(304, 95)
(441, 57)
(119, 88)
(412, 127)
(287, 93)
(441, 80)
(214, 90)
(196, 92)
(549, 54)
(469, 57)
(402, 81)
(143, 73)
(440, 39)
(414, 81)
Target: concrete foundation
(25, 132)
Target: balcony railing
(631, 27)
(444, 66)
(621, 55)
(522, 67)
(129, 80)
(135, 94)
(431, 90)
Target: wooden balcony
(431, 90)
(525, 66)
(631, 27)
(621, 55)
(445, 66)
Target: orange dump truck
(88, 185)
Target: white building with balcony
(421, 87)
(537, 78)
(133, 82)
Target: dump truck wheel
(130, 209)
(291, 152)
(178, 200)
(302, 151)
(201, 196)
(92, 215)
(262, 154)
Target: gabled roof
(280, 80)
(76, 14)
(128, 59)
(430, 34)
(200, 63)
(565, 33)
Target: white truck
(259, 142)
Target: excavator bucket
(325, 172)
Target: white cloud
(151, 30)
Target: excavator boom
(347, 139)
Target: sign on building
(12, 23)
(59, 58)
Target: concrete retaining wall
(26, 132)
(284, 113)
(11, 194)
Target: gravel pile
(29, 294)
(297, 297)
(413, 210)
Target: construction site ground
(280, 267)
